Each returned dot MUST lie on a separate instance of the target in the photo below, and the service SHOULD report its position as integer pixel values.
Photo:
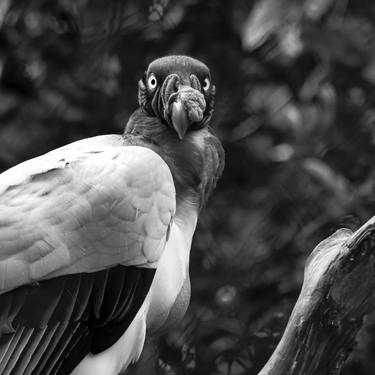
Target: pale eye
(206, 84)
(152, 82)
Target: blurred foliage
(296, 113)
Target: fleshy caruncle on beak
(188, 107)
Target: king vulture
(95, 236)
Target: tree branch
(337, 292)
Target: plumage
(95, 236)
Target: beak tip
(181, 136)
(180, 120)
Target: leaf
(315, 9)
(261, 23)
(333, 181)
(267, 18)
(4, 7)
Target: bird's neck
(195, 161)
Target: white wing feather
(81, 208)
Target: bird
(95, 236)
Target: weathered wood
(337, 292)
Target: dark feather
(57, 322)
(196, 163)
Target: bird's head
(178, 91)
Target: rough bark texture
(337, 292)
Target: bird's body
(95, 236)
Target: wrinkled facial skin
(178, 90)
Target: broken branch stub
(337, 292)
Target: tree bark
(337, 292)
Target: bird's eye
(152, 82)
(206, 84)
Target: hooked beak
(188, 107)
(180, 120)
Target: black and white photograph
(187, 187)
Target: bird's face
(178, 90)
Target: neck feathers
(196, 162)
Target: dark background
(295, 110)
